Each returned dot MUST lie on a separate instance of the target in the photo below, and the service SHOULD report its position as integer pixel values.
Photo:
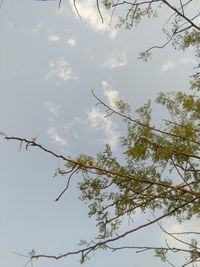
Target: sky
(50, 61)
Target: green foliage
(194, 252)
(161, 253)
(31, 253)
(181, 28)
(107, 4)
(145, 55)
(158, 171)
(195, 83)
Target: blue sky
(50, 62)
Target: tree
(159, 175)
(158, 171)
(181, 28)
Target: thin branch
(20, 255)
(98, 8)
(185, 233)
(59, 4)
(29, 261)
(190, 26)
(173, 151)
(182, 9)
(161, 46)
(24, 256)
(153, 197)
(184, 5)
(185, 181)
(101, 170)
(180, 14)
(191, 261)
(136, 3)
(176, 238)
(144, 248)
(74, 3)
(68, 182)
(84, 252)
(187, 170)
(113, 11)
(142, 124)
(170, 263)
(182, 125)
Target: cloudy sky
(50, 61)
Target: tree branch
(101, 170)
(84, 252)
(140, 123)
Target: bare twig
(185, 181)
(145, 248)
(176, 238)
(186, 233)
(98, 8)
(75, 7)
(68, 182)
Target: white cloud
(170, 65)
(111, 94)
(188, 60)
(98, 120)
(72, 41)
(117, 59)
(89, 13)
(53, 38)
(60, 68)
(77, 120)
(53, 109)
(56, 138)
